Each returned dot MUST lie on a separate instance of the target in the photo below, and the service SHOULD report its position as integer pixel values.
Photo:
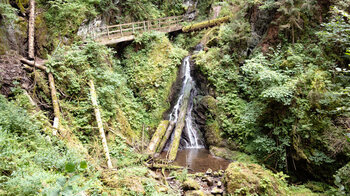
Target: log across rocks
(157, 137)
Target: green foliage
(342, 179)
(7, 13)
(151, 71)
(73, 67)
(335, 35)
(30, 161)
(273, 105)
(122, 155)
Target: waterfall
(190, 135)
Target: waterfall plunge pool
(198, 160)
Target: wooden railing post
(121, 29)
(144, 25)
(148, 24)
(133, 28)
(108, 32)
(158, 24)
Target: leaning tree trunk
(99, 123)
(56, 107)
(166, 137)
(180, 123)
(31, 29)
(157, 137)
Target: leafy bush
(30, 161)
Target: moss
(41, 33)
(205, 24)
(212, 134)
(253, 179)
(157, 136)
(124, 126)
(190, 184)
(195, 193)
(152, 71)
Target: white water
(193, 140)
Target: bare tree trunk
(31, 29)
(99, 123)
(56, 107)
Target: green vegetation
(274, 79)
(286, 107)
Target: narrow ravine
(192, 152)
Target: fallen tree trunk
(163, 166)
(157, 137)
(55, 104)
(180, 123)
(35, 64)
(31, 29)
(100, 124)
(205, 24)
(168, 133)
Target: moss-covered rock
(212, 134)
(231, 155)
(245, 179)
(252, 179)
(195, 193)
(190, 184)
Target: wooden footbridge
(114, 34)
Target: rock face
(260, 21)
(246, 179)
(209, 127)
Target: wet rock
(209, 172)
(217, 191)
(195, 193)
(162, 189)
(199, 174)
(208, 180)
(219, 184)
(222, 152)
(216, 174)
(190, 184)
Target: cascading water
(194, 156)
(191, 138)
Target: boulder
(195, 193)
(217, 191)
(190, 184)
(246, 179)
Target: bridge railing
(131, 28)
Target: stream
(192, 153)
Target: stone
(216, 191)
(219, 184)
(243, 178)
(216, 174)
(190, 184)
(195, 193)
(209, 172)
(208, 180)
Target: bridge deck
(114, 34)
